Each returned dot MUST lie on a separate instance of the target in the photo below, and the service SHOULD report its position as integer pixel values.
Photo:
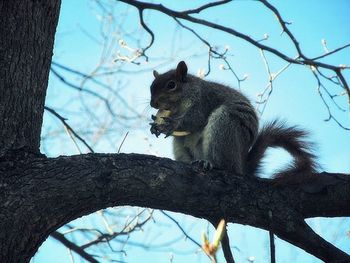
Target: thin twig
(60, 77)
(272, 247)
(284, 27)
(269, 86)
(213, 52)
(124, 231)
(121, 144)
(206, 6)
(92, 77)
(330, 115)
(143, 24)
(68, 127)
(331, 52)
(181, 229)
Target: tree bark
(26, 42)
(39, 195)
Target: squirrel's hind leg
(226, 141)
(181, 153)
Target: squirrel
(216, 126)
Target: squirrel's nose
(154, 104)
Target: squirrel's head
(166, 89)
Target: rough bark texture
(39, 195)
(26, 42)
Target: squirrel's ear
(155, 73)
(181, 71)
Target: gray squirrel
(217, 126)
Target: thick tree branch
(68, 187)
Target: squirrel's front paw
(167, 126)
(158, 129)
(155, 129)
(203, 164)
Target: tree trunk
(26, 42)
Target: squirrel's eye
(171, 85)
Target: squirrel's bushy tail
(292, 139)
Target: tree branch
(300, 59)
(206, 6)
(284, 27)
(88, 91)
(272, 247)
(332, 52)
(149, 31)
(68, 187)
(183, 15)
(80, 251)
(68, 127)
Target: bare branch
(149, 32)
(272, 247)
(121, 144)
(330, 115)
(72, 246)
(206, 6)
(93, 78)
(90, 77)
(69, 128)
(181, 228)
(231, 31)
(95, 94)
(331, 52)
(284, 26)
(301, 59)
(213, 52)
(263, 98)
(128, 228)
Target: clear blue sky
(294, 98)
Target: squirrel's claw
(154, 129)
(167, 127)
(203, 164)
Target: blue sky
(294, 98)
